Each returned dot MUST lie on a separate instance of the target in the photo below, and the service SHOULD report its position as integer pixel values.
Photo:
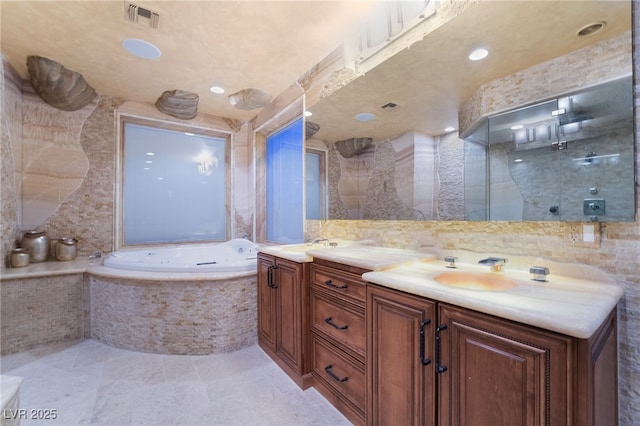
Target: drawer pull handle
(270, 276)
(331, 284)
(329, 321)
(332, 374)
(423, 360)
(439, 367)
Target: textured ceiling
(269, 45)
(265, 45)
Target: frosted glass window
(173, 186)
(285, 151)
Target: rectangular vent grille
(140, 15)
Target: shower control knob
(594, 206)
(554, 209)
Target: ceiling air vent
(389, 106)
(140, 15)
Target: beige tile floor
(91, 383)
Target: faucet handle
(539, 273)
(451, 261)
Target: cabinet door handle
(423, 360)
(332, 374)
(329, 321)
(270, 276)
(439, 367)
(331, 284)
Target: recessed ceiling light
(518, 160)
(217, 89)
(478, 54)
(591, 29)
(449, 129)
(141, 49)
(308, 113)
(365, 116)
(151, 153)
(517, 127)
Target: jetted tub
(188, 300)
(236, 255)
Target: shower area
(570, 158)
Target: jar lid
(21, 250)
(34, 233)
(67, 241)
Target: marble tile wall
(547, 177)
(10, 156)
(182, 318)
(392, 179)
(55, 163)
(450, 201)
(37, 312)
(58, 168)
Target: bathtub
(188, 300)
(236, 255)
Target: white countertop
(80, 266)
(43, 269)
(353, 253)
(369, 257)
(575, 300)
(299, 252)
(570, 305)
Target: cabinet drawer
(344, 375)
(343, 323)
(341, 284)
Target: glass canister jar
(66, 248)
(38, 244)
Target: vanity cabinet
(400, 365)
(283, 315)
(475, 368)
(338, 336)
(382, 356)
(496, 372)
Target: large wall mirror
(390, 157)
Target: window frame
(122, 119)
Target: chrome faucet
(321, 240)
(496, 263)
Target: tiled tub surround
(173, 313)
(165, 313)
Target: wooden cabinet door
(266, 302)
(288, 282)
(495, 372)
(400, 373)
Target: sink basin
(476, 281)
